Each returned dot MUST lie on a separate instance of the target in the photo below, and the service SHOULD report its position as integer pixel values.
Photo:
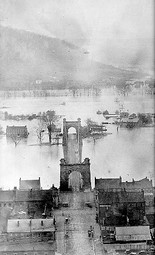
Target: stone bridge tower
(69, 124)
(74, 174)
(71, 148)
(66, 170)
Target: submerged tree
(16, 139)
(89, 122)
(40, 130)
(145, 118)
(50, 118)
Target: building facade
(116, 184)
(29, 203)
(120, 208)
(20, 131)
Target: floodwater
(126, 153)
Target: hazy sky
(113, 31)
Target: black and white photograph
(77, 119)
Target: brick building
(29, 203)
(20, 131)
(120, 208)
(37, 229)
(116, 184)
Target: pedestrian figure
(117, 128)
(54, 221)
(96, 218)
(89, 233)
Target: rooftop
(16, 127)
(30, 225)
(133, 233)
(116, 183)
(7, 196)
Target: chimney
(14, 193)
(20, 183)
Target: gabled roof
(29, 184)
(29, 225)
(110, 197)
(133, 233)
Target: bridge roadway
(73, 150)
(81, 217)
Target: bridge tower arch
(67, 170)
(67, 125)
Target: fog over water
(126, 153)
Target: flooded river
(126, 153)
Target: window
(42, 223)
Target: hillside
(26, 57)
